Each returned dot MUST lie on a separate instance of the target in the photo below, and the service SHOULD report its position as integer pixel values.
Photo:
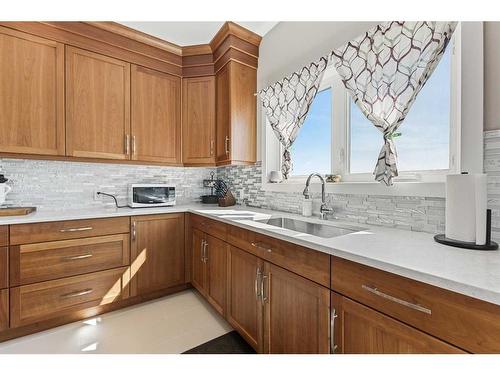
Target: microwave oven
(151, 195)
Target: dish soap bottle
(307, 207)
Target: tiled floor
(171, 324)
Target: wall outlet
(97, 197)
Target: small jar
(307, 206)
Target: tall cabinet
(31, 94)
(236, 114)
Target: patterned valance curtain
(287, 102)
(384, 70)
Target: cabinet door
(223, 115)
(216, 263)
(297, 313)
(31, 94)
(198, 120)
(157, 252)
(244, 307)
(198, 263)
(361, 330)
(4, 309)
(156, 116)
(4, 267)
(98, 105)
(243, 114)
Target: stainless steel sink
(315, 229)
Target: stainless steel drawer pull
(263, 246)
(397, 300)
(78, 293)
(75, 229)
(226, 144)
(333, 316)
(77, 257)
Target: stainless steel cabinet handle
(77, 257)
(75, 229)
(262, 289)
(397, 300)
(226, 144)
(205, 252)
(127, 144)
(78, 293)
(263, 246)
(212, 144)
(258, 274)
(333, 316)
(134, 232)
(202, 251)
(133, 145)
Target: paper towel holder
(489, 245)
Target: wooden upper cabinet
(31, 94)
(157, 252)
(236, 114)
(198, 120)
(223, 128)
(97, 105)
(359, 329)
(156, 116)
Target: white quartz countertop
(411, 254)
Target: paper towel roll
(466, 201)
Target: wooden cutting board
(16, 211)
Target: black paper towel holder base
(489, 245)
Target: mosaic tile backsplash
(63, 185)
(411, 213)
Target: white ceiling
(191, 33)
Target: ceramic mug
(275, 176)
(4, 190)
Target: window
(337, 138)
(354, 156)
(312, 148)
(425, 141)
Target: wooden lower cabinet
(361, 330)
(296, 313)
(4, 309)
(50, 299)
(157, 252)
(209, 257)
(244, 305)
(216, 263)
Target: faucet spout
(324, 209)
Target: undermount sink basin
(315, 229)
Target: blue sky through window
(311, 151)
(424, 144)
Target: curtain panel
(287, 103)
(384, 70)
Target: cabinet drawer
(4, 309)
(64, 230)
(212, 227)
(308, 263)
(37, 302)
(45, 261)
(463, 321)
(4, 267)
(4, 235)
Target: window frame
(466, 130)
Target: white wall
(291, 45)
